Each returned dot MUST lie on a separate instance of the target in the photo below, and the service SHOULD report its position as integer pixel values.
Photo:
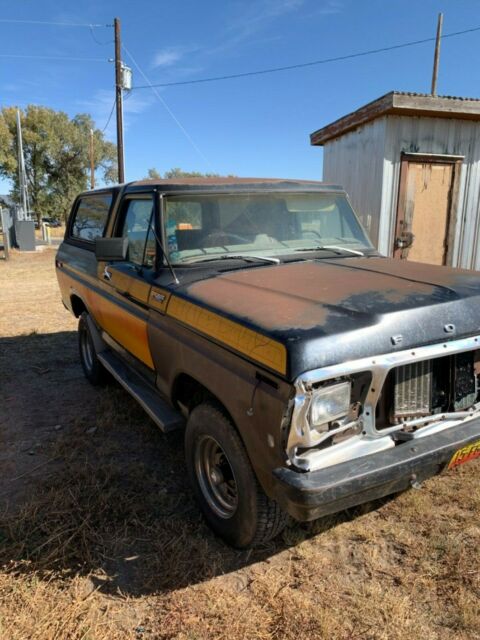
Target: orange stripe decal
(126, 328)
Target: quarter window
(91, 216)
(137, 226)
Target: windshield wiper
(337, 250)
(355, 252)
(247, 258)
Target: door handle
(136, 301)
(107, 274)
(405, 240)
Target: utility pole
(22, 178)
(92, 161)
(436, 58)
(119, 101)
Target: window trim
(83, 242)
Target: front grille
(446, 384)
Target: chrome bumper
(370, 440)
(307, 496)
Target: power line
(95, 39)
(167, 108)
(55, 24)
(302, 65)
(110, 116)
(89, 26)
(42, 57)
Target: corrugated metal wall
(356, 161)
(367, 163)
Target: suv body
(311, 373)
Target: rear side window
(91, 216)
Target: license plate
(465, 454)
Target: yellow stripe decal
(252, 344)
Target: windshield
(273, 224)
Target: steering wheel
(221, 237)
(311, 231)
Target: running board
(159, 411)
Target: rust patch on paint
(307, 294)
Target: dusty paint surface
(330, 311)
(303, 295)
(458, 279)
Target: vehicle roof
(226, 184)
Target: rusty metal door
(424, 213)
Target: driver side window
(137, 227)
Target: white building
(411, 165)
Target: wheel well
(78, 306)
(189, 393)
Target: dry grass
(29, 297)
(100, 539)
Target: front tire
(224, 482)
(93, 369)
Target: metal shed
(411, 165)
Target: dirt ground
(100, 538)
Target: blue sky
(256, 126)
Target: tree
(176, 172)
(153, 174)
(56, 150)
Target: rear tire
(224, 482)
(93, 369)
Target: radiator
(413, 390)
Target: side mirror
(111, 249)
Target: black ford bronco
(310, 374)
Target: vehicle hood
(329, 311)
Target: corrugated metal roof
(400, 103)
(429, 95)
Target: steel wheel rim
(87, 349)
(216, 477)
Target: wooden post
(436, 58)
